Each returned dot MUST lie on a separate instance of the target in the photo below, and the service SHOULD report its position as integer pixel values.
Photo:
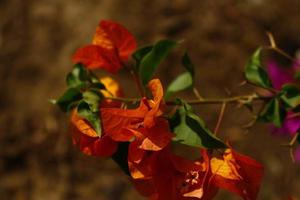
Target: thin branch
(235, 99)
(220, 118)
(138, 82)
(291, 145)
(271, 40)
(197, 93)
(136, 79)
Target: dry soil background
(37, 38)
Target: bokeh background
(37, 39)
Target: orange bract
(84, 135)
(171, 177)
(123, 124)
(112, 45)
(113, 89)
(237, 173)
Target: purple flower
(290, 126)
(280, 76)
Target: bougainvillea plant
(140, 133)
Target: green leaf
(77, 77)
(255, 73)
(187, 63)
(150, 61)
(290, 94)
(69, 97)
(182, 82)
(272, 112)
(190, 130)
(84, 111)
(139, 54)
(120, 157)
(93, 98)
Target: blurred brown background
(37, 39)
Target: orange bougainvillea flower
(143, 126)
(84, 136)
(147, 139)
(173, 177)
(112, 45)
(123, 124)
(113, 89)
(237, 173)
(168, 176)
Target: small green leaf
(272, 112)
(77, 77)
(152, 59)
(120, 157)
(255, 73)
(187, 63)
(290, 94)
(182, 82)
(93, 98)
(139, 54)
(190, 130)
(84, 111)
(70, 96)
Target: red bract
(172, 177)
(124, 124)
(112, 45)
(175, 178)
(85, 137)
(237, 173)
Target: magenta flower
(280, 76)
(290, 126)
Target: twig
(197, 93)
(235, 99)
(220, 118)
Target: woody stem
(220, 118)
(136, 79)
(235, 99)
(138, 82)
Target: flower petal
(156, 89)
(93, 57)
(110, 34)
(279, 75)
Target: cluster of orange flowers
(155, 170)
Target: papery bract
(290, 126)
(279, 75)
(173, 177)
(237, 173)
(113, 89)
(83, 134)
(121, 124)
(85, 137)
(112, 45)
